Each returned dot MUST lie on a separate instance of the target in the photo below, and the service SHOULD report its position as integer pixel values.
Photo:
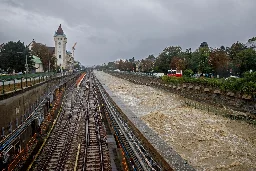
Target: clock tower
(60, 47)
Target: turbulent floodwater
(209, 142)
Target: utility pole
(49, 65)
(49, 62)
(26, 65)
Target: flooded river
(207, 141)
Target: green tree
(77, 65)
(151, 57)
(203, 65)
(188, 73)
(190, 60)
(247, 60)
(111, 65)
(234, 53)
(147, 65)
(128, 65)
(252, 39)
(163, 61)
(204, 45)
(194, 62)
(240, 58)
(132, 60)
(177, 63)
(120, 65)
(13, 57)
(219, 61)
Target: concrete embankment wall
(19, 105)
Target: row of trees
(222, 61)
(13, 57)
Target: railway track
(96, 154)
(78, 139)
(138, 158)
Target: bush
(247, 84)
(188, 73)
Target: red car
(174, 73)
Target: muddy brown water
(209, 142)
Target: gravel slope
(207, 141)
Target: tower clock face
(59, 43)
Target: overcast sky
(106, 30)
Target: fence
(10, 83)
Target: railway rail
(138, 158)
(78, 138)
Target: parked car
(232, 76)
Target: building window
(59, 56)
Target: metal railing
(13, 83)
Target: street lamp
(49, 67)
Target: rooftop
(51, 49)
(36, 59)
(59, 31)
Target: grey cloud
(97, 40)
(112, 29)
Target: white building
(60, 47)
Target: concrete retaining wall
(15, 109)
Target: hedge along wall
(245, 85)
